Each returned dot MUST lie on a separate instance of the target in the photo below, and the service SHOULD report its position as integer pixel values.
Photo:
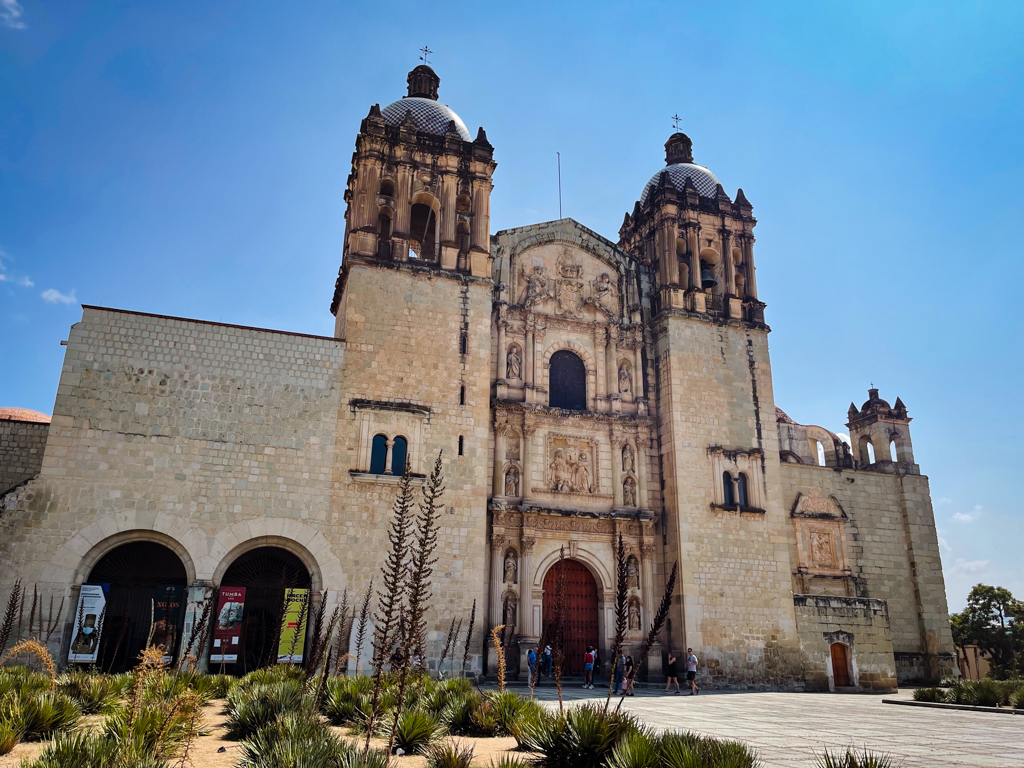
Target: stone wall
(860, 624)
(21, 451)
(894, 553)
(211, 439)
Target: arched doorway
(579, 625)
(265, 572)
(142, 575)
(840, 665)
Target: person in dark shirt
(629, 676)
(671, 673)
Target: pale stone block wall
(859, 623)
(209, 438)
(891, 526)
(21, 451)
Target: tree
(994, 621)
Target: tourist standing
(620, 673)
(531, 660)
(588, 668)
(628, 685)
(547, 659)
(691, 672)
(671, 673)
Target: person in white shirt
(691, 672)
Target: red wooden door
(579, 626)
(840, 665)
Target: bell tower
(420, 187)
(880, 435)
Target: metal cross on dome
(425, 50)
(675, 122)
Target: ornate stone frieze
(572, 464)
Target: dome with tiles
(680, 167)
(429, 115)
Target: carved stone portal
(572, 464)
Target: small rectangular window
(460, 445)
(462, 395)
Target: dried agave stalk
(12, 609)
(448, 645)
(364, 616)
(621, 596)
(469, 637)
(194, 651)
(303, 601)
(656, 626)
(53, 621)
(36, 649)
(316, 636)
(32, 611)
(499, 655)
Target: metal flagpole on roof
(559, 155)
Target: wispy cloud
(969, 567)
(845, 438)
(943, 500)
(968, 517)
(53, 296)
(944, 545)
(11, 13)
(6, 277)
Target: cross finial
(425, 51)
(675, 122)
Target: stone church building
(580, 389)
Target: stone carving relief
(510, 607)
(569, 287)
(603, 296)
(512, 446)
(632, 573)
(513, 363)
(511, 567)
(512, 482)
(812, 503)
(536, 287)
(571, 465)
(823, 549)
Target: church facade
(578, 390)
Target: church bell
(707, 280)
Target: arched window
(728, 497)
(866, 450)
(567, 381)
(378, 454)
(819, 453)
(399, 453)
(892, 450)
(387, 188)
(741, 490)
(422, 229)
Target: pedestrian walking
(628, 690)
(620, 674)
(588, 668)
(691, 672)
(547, 660)
(671, 673)
(531, 660)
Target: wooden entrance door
(579, 625)
(840, 665)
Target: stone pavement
(788, 728)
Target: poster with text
(85, 642)
(195, 604)
(293, 627)
(167, 604)
(227, 625)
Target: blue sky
(190, 159)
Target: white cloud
(22, 280)
(968, 517)
(943, 500)
(968, 567)
(845, 438)
(53, 296)
(944, 545)
(10, 14)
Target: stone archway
(580, 620)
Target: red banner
(227, 625)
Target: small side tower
(880, 435)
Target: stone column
(526, 478)
(638, 367)
(528, 354)
(748, 260)
(497, 572)
(611, 365)
(479, 230)
(366, 195)
(601, 390)
(646, 584)
(693, 244)
(669, 236)
(499, 460)
(730, 272)
(525, 592)
(617, 474)
(641, 472)
(387, 458)
(500, 373)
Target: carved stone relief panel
(572, 464)
(821, 545)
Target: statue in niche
(628, 493)
(513, 363)
(634, 615)
(509, 611)
(536, 287)
(627, 458)
(581, 475)
(632, 573)
(625, 379)
(511, 566)
(512, 482)
(560, 471)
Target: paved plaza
(788, 728)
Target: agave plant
(254, 705)
(582, 737)
(691, 750)
(509, 761)
(10, 727)
(638, 749)
(449, 754)
(94, 693)
(160, 729)
(415, 731)
(90, 750)
(853, 759)
(292, 740)
(46, 714)
(930, 694)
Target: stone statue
(603, 291)
(560, 472)
(822, 552)
(581, 475)
(509, 612)
(633, 573)
(625, 379)
(510, 567)
(627, 458)
(513, 363)
(536, 287)
(512, 482)
(628, 493)
(634, 615)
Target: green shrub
(415, 731)
(930, 694)
(161, 730)
(638, 749)
(691, 750)
(89, 750)
(854, 759)
(508, 708)
(252, 705)
(22, 682)
(1017, 698)
(583, 737)
(292, 740)
(354, 758)
(10, 732)
(961, 692)
(509, 761)
(449, 754)
(46, 714)
(94, 693)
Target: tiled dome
(704, 180)
(430, 116)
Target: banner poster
(227, 625)
(85, 642)
(293, 627)
(194, 605)
(167, 604)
